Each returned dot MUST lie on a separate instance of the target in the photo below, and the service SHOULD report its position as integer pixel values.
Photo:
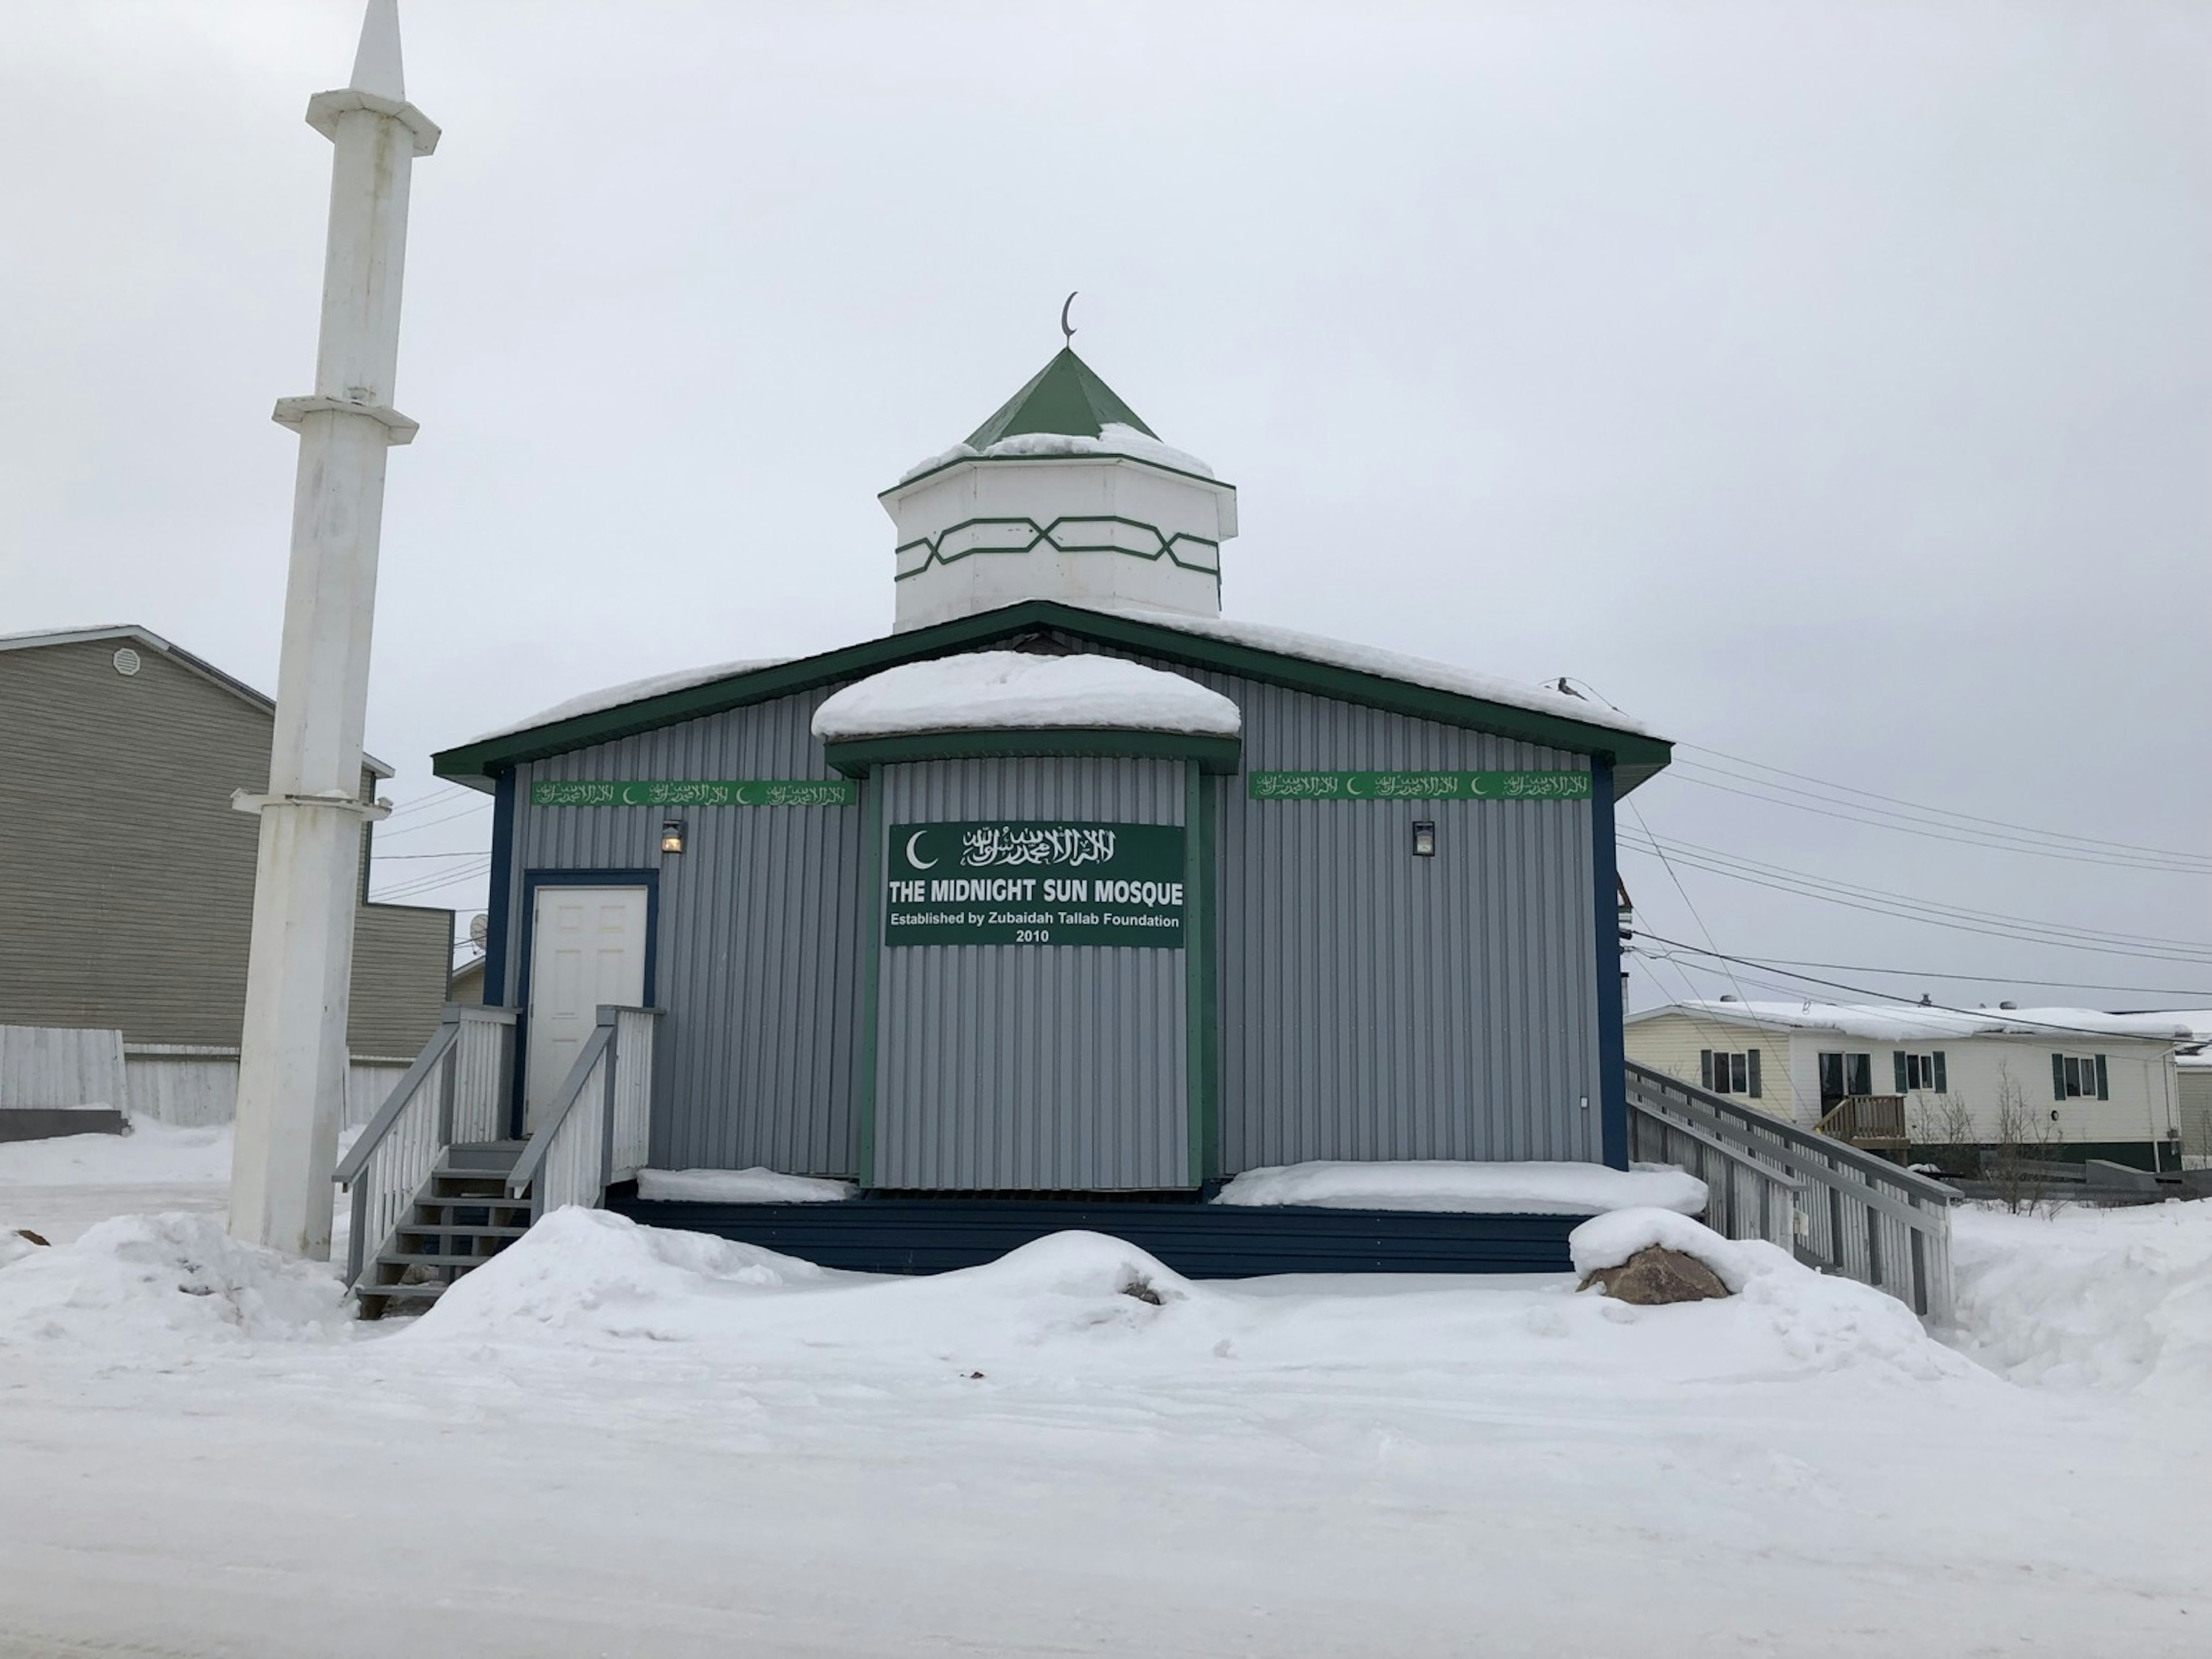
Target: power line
(429, 824)
(1702, 928)
(1694, 852)
(1945, 811)
(2191, 955)
(1988, 844)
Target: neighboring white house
(2107, 1085)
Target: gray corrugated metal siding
(1377, 1005)
(759, 948)
(1371, 1006)
(1007, 1068)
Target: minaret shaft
(293, 1062)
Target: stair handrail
(467, 1057)
(403, 1093)
(563, 1104)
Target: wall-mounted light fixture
(1425, 839)
(671, 835)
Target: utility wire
(428, 823)
(1707, 932)
(2117, 862)
(2197, 957)
(1696, 853)
(1945, 811)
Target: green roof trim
(1634, 756)
(857, 757)
(1065, 397)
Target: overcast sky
(1829, 386)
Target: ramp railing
(1852, 1213)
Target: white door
(588, 947)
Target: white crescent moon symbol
(915, 858)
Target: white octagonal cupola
(1064, 494)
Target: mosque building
(1069, 889)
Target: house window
(1726, 1073)
(1916, 1072)
(2080, 1076)
(1845, 1074)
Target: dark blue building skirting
(1199, 1241)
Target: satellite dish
(479, 930)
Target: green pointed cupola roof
(1066, 397)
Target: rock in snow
(1607, 1242)
(1015, 690)
(1655, 1277)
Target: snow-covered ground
(619, 1440)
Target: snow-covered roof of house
(1905, 1023)
(146, 636)
(1015, 690)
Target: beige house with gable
(2106, 1085)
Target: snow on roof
(614, 697)
(1016, 690)
(1371, 659)
(1903, 1023)
(1260, 637)
(1114, 439)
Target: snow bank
(2111, 1299)
(1017, 691)
(588, 1272)
(755, 1185)
(181, 1276)
(1477, 1188)
(1114, 438)
(152, 1154)
(585, 1274)
(1607, 1241)
(1812, 1321)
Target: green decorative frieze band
(670, 792)
(1417, 786)
(1097, 533)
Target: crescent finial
(1066, 328)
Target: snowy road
(625, 1443)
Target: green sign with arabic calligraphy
(997, 883)
(667, 792)
(1417, 786)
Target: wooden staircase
(435, 1195)
(464, 1216)
(1873, 1123)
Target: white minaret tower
(291, 1078)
